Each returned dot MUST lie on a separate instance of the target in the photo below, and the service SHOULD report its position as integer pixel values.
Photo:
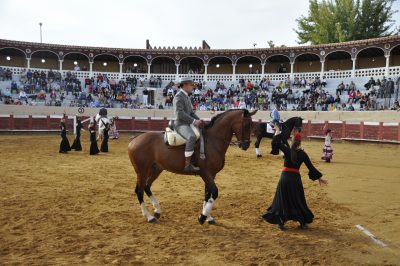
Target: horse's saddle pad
(270, 128)
(172, 137)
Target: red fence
(341, 130)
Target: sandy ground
(76, 209)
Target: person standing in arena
(76, 145)
(289, 202)
(327, 151)
(64, 145)
(184, 118)
(104, 142)
(94, 149)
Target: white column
(205, 71)
(291, 69)
(353, 70)
(28, 63)
(90, 69)
(177, 72)
(387, 65)
(262, 69)
(120, 70)
(148, 70)
(61, 69)
(322, 69)
(233, 72)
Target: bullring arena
(75, 209)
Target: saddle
(172, 138)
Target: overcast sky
(128, 23)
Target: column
(233, 72)
(322, 69)
(28, 62)
(205, 71)
(61, 61)
(291, 70)
(387, 65)
(177, 72)
(263, 69)
(120, 70)
(90, 69)
(353, 70)
(148, 70)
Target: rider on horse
(184, 118)
(276, 121)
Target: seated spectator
(340, 88)
(8, 74)
(352, 96)
(77, 67)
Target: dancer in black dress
(104, 142)
(94, 149)
(289, 202)
(64, 145)
(77, 141)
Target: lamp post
(40, 25)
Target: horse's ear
(253, 113)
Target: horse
(150, 156)
(261, 131)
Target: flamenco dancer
(76, 145)
(104, 142)
(94, 149)
(64, 145)
(327, 151)
(113, 129)
(289, 202)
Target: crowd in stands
(299, 94)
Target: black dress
(94, 149)
(289, 202)
(104, 143)
(64, 145)
(77, 141)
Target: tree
(332, 21)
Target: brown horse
(149, 156)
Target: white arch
(209, 60)
(294, 59)
(77, 53)
(331, 52)
(266, 59)
(390, 51)
(94, 57)
(253, 56)
(194, 56)
(145, 59)
(370, 48)
(165, 56)
(45, 51)
(15, 49)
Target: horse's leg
(207, 196)
(147, 189)
(139, 193)
(213, 190)
(257, 145)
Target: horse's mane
(215, 118)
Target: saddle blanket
(270, 129)
(172, 137)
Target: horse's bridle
(243, 141)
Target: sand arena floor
(76, 209)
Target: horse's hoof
(259, 156)
(202, 218)
(157, 215)
(152, 221)
(211, 222)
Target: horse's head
(298, 123)
(242, 129)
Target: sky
(229, 24)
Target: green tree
(331, 21)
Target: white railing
(277, 76)
(195, 77)
(394, 71)
(306, 75)
(370, 72)
(332, 74)
(219, 77)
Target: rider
(184, 118)
(276, 120)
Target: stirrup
(191, 168)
